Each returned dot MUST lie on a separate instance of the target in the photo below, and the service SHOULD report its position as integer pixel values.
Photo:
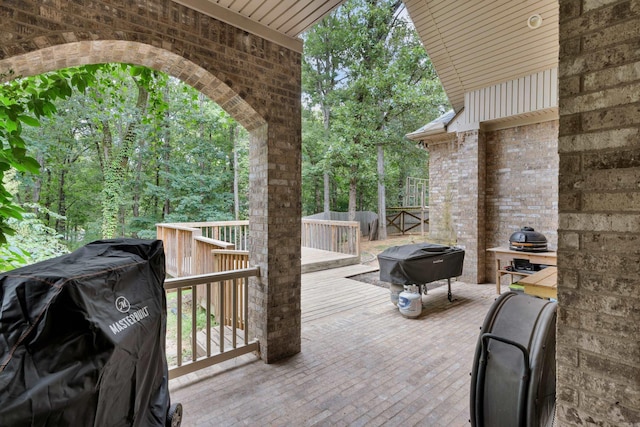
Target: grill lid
(528, 240)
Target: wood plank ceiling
(280, 21)
(472, 43)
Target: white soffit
(280, 21)
(474, 44)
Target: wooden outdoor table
(505, 255)
(543, 284)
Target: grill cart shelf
(420, 263)
(505, 256)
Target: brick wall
(257, 81)
(599, 221)
(443, 191)
(522, 184)
(477, 199)
(456, 198)
(470, 224)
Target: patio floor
(362, 363)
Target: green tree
(25, 101)
(63, 147)
(157, 148)
(382, 85)
(128, 102)
(323, 60)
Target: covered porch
(362, 362)
(242, 61)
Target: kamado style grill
(528, 240)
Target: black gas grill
(82, 339)
(420, 263)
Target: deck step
(318, 259)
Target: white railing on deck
(194, 349)
(334, 236)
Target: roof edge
(434, 127)
(225, 15)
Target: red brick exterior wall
(443, 191)
(471, 220)
(522, 184)
(477, 198)
(598, 354)
(255, 80)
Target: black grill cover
(82, 338)
(420, 263)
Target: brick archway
(257, 81)
(117, 51)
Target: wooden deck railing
(187, 251)
(232, 232)
(188, 244)
(193, 348)
(222, 303)
(334, 236)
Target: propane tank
(410, 302)
(395, 291)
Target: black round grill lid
(527, 239)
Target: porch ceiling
(476, 44)
(472, 43)
(280, 21)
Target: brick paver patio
(362, 363)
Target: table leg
(498, 275)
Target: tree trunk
(233, 133)
(327, 194)
(166, 157)
(382, 210)
(115, 168)
(137, 186)
(37, 182)
(326, 122)
(47, 198)
(62, 203)
(353, 192)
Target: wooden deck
(318, 260)
(328, 294)
(362, 363)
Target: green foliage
(132, 149)
(24, 102)
(32, 240)
(12, 257)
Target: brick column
(471, 205)
(598, 347)
(275, 230)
